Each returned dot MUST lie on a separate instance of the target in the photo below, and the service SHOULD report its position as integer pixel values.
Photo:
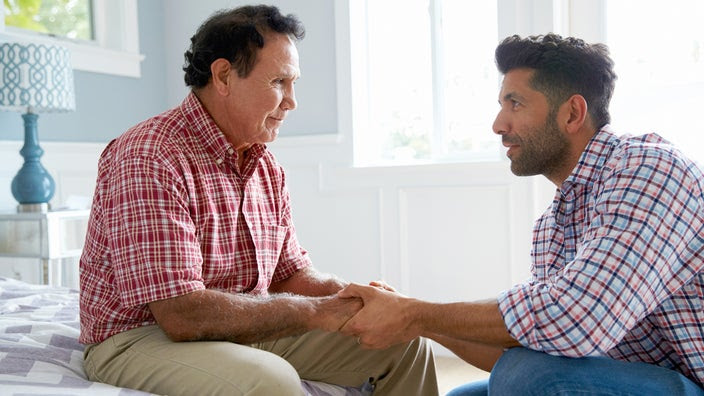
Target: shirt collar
(592, 159)
(203, 130)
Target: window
(65, 18)
(102, 35)
(423, 84)
(660, 67)
(426, 94)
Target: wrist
(314, 313)
(335, 284)
(418, 312)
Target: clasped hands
(384, 318)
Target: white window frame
(523, 17)
(687, 139)
(115, 49)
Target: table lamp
(35, 78)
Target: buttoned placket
(230, 159)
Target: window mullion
(438, 146)
(587, 20)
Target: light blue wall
(107, 105)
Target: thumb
(351, 290)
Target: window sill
(87, 56)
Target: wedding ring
(359, 341)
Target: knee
(476, 388)
(264, 376)
(275, 377)
(421, 348)
(423, 345)
(519, 369)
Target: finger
(364, 343)
(382, 285)
(351, 290)
(348, 329)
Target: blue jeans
(521, 371)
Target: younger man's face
(528, 128)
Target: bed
(40, 353)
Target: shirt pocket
(268, 242)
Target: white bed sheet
(40, 353)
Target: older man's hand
(386, 318)
(332, 312)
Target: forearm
(309, 282)
(478, 355)
(213, 315)
(477, 322)
(388, 318)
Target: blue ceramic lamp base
(33, 187)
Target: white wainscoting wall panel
(448, 248)
(339, 228)
(444, 232)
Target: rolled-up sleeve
(155, 251)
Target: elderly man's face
(259, 103)
(528, 127)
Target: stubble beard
(544, 152)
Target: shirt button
(218, 161)
(231, 151)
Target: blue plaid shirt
(617, 260)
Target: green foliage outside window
(67, 18)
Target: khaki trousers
(144, 358)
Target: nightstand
(43, 247)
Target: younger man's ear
(576, 110)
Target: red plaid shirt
(618, 260)
(173, 213)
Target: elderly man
(614, 305)
(192, 279)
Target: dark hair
(235, 35)
(563, 67)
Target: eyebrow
(291, 73)
(510, 96)
(290, 76)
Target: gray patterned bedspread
(40, 353)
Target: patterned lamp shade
(35, 78)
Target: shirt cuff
(515, 307)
